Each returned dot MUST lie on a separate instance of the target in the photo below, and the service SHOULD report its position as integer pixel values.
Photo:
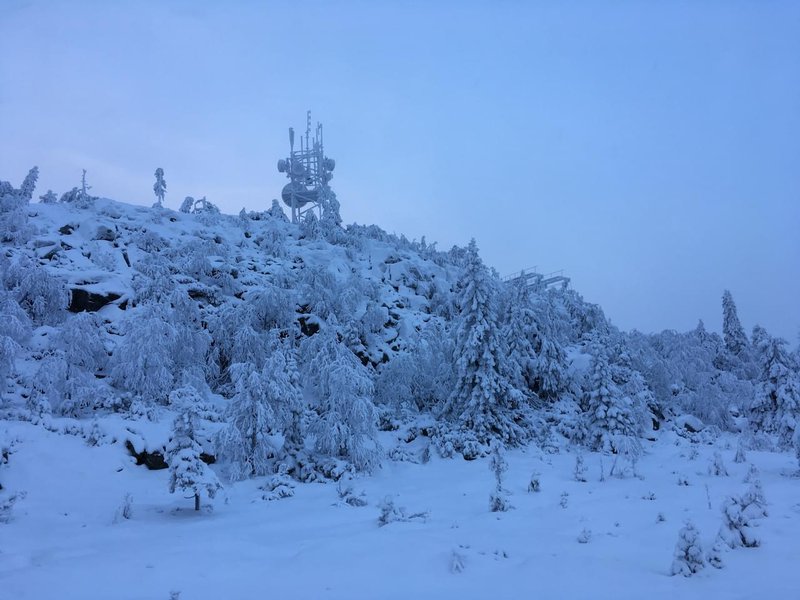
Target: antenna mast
(309, 172)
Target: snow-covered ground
(63, 541)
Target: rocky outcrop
(84, 300)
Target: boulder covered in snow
(689, 423)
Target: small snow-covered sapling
(740, 516)
(125, 510)
(584, 536)
(535, 483)
(714, 556)
(456, 562)
(498, 500)
(741, 455)
(390, 513)
(580, 469)
(717, 466)
(688, 558)
(564, 501)
(797, 443)
(347, 494)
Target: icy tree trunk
(197, 501)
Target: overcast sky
(649, 149)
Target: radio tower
(309, 172)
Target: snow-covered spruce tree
(187, 472)
(689, 558)
(330, 225)
(484, 401)
(740, 516)
(776, 405)
(142, 363)
(276, 212)
(613, 423)
(345, 423)
(550, 377)
(736, 341)
(29, 184)
(519, 332)
(160, 187)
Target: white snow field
(63, 542)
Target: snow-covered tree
(15, 329)
(550, 377)
(330, 224)
(418, 379)
(81, 338)
(345, 422)
(276, 212)
(689, 557)
(43, 296)
(736, 340)
(519, 331)
(49, 197)
(187, 205)
(613, 419)
(142, 362)
(191, 341)
(484, 401)
(776, 405)
(797, 445)
(267, 403)
(187, 472)
(29, 184)
(152, 281)
(160, 186)
(740, 516)
(309, 226)
(498, 500)
(246, 443)
(272, 307)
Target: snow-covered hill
(316, 390)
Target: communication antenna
(309, 172)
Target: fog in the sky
(649, 149)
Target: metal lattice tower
(538, 281)
(309, 172)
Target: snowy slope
(66, 537)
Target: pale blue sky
(650, 149)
